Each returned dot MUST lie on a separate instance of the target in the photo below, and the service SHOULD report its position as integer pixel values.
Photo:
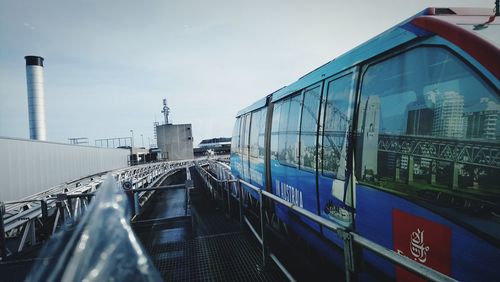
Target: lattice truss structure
(477, 153)
(34, 219)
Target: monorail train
(397, 140)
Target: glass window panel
(308, 128)
(245, 144)
(262, 132)
(254, 134)
(275, 130)
(337, 124)
(283, 153)
(236, 136)
(428, 129)
(245, 130)
(289, 148)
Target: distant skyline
(109, 64)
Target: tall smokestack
(36, 97)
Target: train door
(308, 151)
(294, 154)
(257, 131)
(336, 195)
(284, 153)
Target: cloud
(29, 26)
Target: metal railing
(349, 238)
(34, 219)
(185, 220)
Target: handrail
(347, 235)
(67, 201)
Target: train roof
(216, 140)
(441, 21)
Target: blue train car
(397, 140)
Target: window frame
(320, 85)
(354, 71)
(279, 133)
(235, 141)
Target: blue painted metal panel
(257, 105)
(295, 186)
(470, 254)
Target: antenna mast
(165, 111)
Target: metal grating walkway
(222, 257)
(213, 248)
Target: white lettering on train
(418, 248)
(289, 193)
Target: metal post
(60, 200)
(45, 219)
(136, 204)
(186, 200)
(188, 184)
(60, 209)
(349, 262)
(240, 201)
(132, 139)
(216, 191)
(264, 252)
(226, 184)
(220, 195)
(3, 247)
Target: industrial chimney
(36, 97)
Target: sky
(109, 64)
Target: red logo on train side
(422, 240)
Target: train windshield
(435, 123)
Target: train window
(428, 129)
(288, 131)
(245, 130)
(254, 135)
(309, 127)
(275, 130)
(235, 140)
(257, 146)
(337, 123)
(282, 150)
(262, 133)
(244, 135)
(292, 141)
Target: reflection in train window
(244, 140)
(309, 127)
(257, 129)
(289, 131)
(337, 124)
(428, 129)
(262, 133)
(254, 134)
(235, 140)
